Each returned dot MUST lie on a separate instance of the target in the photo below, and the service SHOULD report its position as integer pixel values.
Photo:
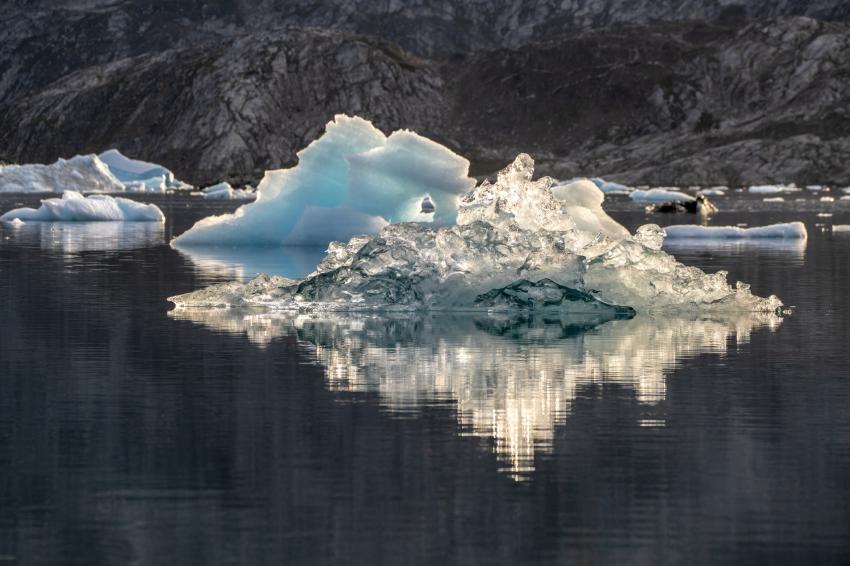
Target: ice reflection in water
(512, 379)
(246, 262)
(75, 237)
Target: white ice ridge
(773, 189)
(109, 172)
(660, 195)
(513, 379)
(224, 191)
(352, 180)
(75, 207)
(518, 243)
(789, 230)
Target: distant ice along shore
(109, 172)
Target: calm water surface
(129, 434)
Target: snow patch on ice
(74, 207)
(352, 180)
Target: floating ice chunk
(354, 179)
(224, 191)
(513, 230)
(841, 228)
(660, 195)
(81, 173)
(771, 189)
(128, 170)
(610, 187)
(773, 199)
(74, 207)
(827, 199)
(792, 230)
(718, 191)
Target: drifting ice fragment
(75, 207)
(352, 180)
(128, 170)
(223, 191)
(660, 195)
(791, 230)
(512, 232)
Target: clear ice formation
(109, 172)
(513, 379)
(74, 207)
(510, 231)
(352, 180)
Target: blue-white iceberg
(353, 180)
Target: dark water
(129, 435)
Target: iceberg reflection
(512, 379)
(74, 237)
(246, 262)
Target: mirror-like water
(129, 434)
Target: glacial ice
(659, 195)
(353, 180)
(129, 170)
(224, 191)
(81, 173)
(513, 378)
(109, 172)
(513, 230)
(789, 230)
(74, 207)
(610, 187)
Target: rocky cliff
(634, 90)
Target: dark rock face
(225, 110)
(631, 90)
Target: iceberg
(513, 230)
(81, 173)
(109, 172)
(74, 207)
(353, 180)
(789, 230)
(224, 191)
(129, 170)
(659, 195)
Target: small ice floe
(718, 191)
(845, 198)
(224, 191)
(773, 199)
(74, 207)
(790, 230)
(816, 188)
(845, 228)
(659, 195)
(772, 189)
(827, 199)
(824, 214)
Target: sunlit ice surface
(512, 378)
